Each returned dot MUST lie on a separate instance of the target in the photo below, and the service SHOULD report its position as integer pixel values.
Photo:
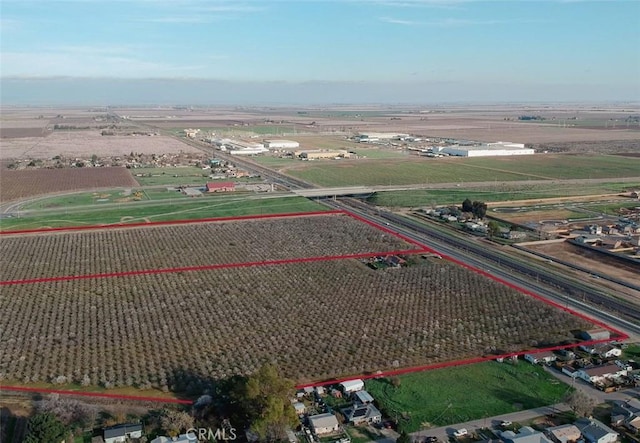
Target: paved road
(444, 432)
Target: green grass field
(86, 199)
(417, 170)
(454, 395)
(499, 192)
(223, 206)
(170, 176)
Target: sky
(324, 51)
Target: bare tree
(581, 403)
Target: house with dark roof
(121, 433)
(525, 434)
(594, 431)
(360, 414)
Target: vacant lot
(170, 246)
(500, 192)
(417, 170)
(314, 320)
(171, 176)
(27, 183)
(585, 258)
(454, 395)
(86, 143)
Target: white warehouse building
(487, 150)
(281, 144)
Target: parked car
(460, 433)
(430, 439)
(505, 423)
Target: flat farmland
(503, 194)
(180, 208)
(86, 143)
(314, 320)
(187, 245)
(416, 170)
(28, 183)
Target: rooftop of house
(327, 420)
(594, 429)
(121, 430)
(526, 434)
(601, 370)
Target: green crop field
(223, 206)
(453, 395)
(498, 193)
(417, 170)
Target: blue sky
(521, 50)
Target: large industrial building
(281, 144)
(316, 154)
(485, 149)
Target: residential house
(564, 433)
(598, 374)
(120, 433)
(594, 431)
(221, 187)
(360, 414)
(633, 423)
(183, 438)
(526, 434)
(322, 424)
(541, 357)
(606, 350)
(603, 350)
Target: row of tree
(477, 208)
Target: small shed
(349, 386)
(300, 408)
(362, 397)
(596, 334)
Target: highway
(558, 288)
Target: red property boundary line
(209, 267)
(94, 394)
(169, 222)
(448, 364)
(422, 248)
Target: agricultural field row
(314, 320)
(185, 245)
(417, 170)
(28, 183)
